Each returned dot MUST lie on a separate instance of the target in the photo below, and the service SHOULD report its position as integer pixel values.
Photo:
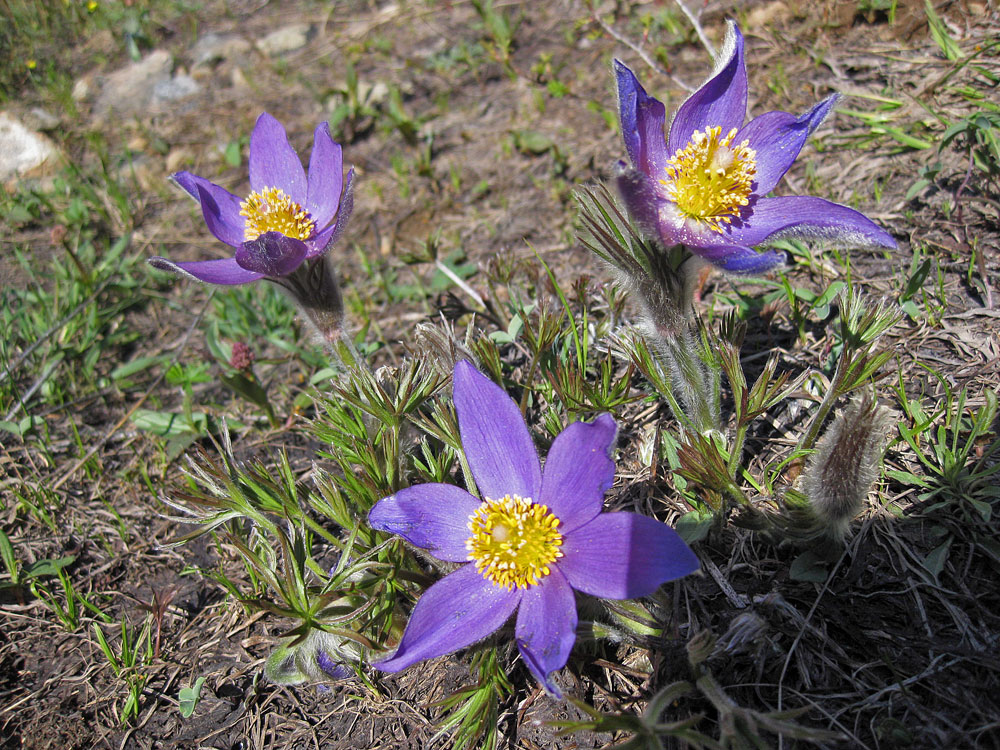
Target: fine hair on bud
(845, 464)
(314, 288)
(440, 344)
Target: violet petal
(334, 670)
(219, 207)
(642, 202)
(434, 517)
(721, 100)
(808, 217)
(578, 471)
(460, 609)
(778, 137)
(222, 271)
(743, 261)
(272, 254)
(326, 176)
(624, 555)
(546, 627)
(642, 119)
(497, 443)
(327, 238)
(273, 161)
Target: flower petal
(497, 443)
(578, 471)
(324, 240)
(777, 137)
(642, 202)
(642, 119)
(434, 517)
(808, 217)
(272, 254)
(334, 670)
(546, 627)
(721, 100)
(460, 609)
(220, 208)
(222, 271)
(743, 261)
(273, 161)
(326, 176)
(624, 555)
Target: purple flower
(534, 538)
(705, 185)
(287, 219)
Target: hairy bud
(845, 465)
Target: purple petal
(223, 271)
(220, 208)
(808, 217)
(624, 555)
(273, 161)
(721, 100)
(497, 443)
(642, 202)
(743, 261)
(324, 240)
(642, 119)
(777, 137)
(333, 670)
(434, 517)
(272, 254)
(578, 471)
(460, 609)
(326, 176)
(546, 627)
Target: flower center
(710, 179)
(270, 210)
(513, 541)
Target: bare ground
(883, 652)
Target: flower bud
(845, 465)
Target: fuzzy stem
(832, 394)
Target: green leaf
(7, 554)
(187, 698)
(934, 562)
(695, 525)
(939, 33)
(47, 567)
(251, 390)
(809, 566)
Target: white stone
(285, 39)
(212, 48)
(21, 150)
(130, 89)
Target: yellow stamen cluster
(270, 210)
(710, 179)
(513, 541)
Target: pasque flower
(288, 217)
(706, 184)
(534, 537)
(283, 229)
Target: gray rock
(179, 87)
(22, 151)
(130, 89)
(41, 119)
(212, 48)
(285, 39)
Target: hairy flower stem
(689, 376)
(832, 394)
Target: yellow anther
(270, 210)
(711, 179)
(513, 541)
